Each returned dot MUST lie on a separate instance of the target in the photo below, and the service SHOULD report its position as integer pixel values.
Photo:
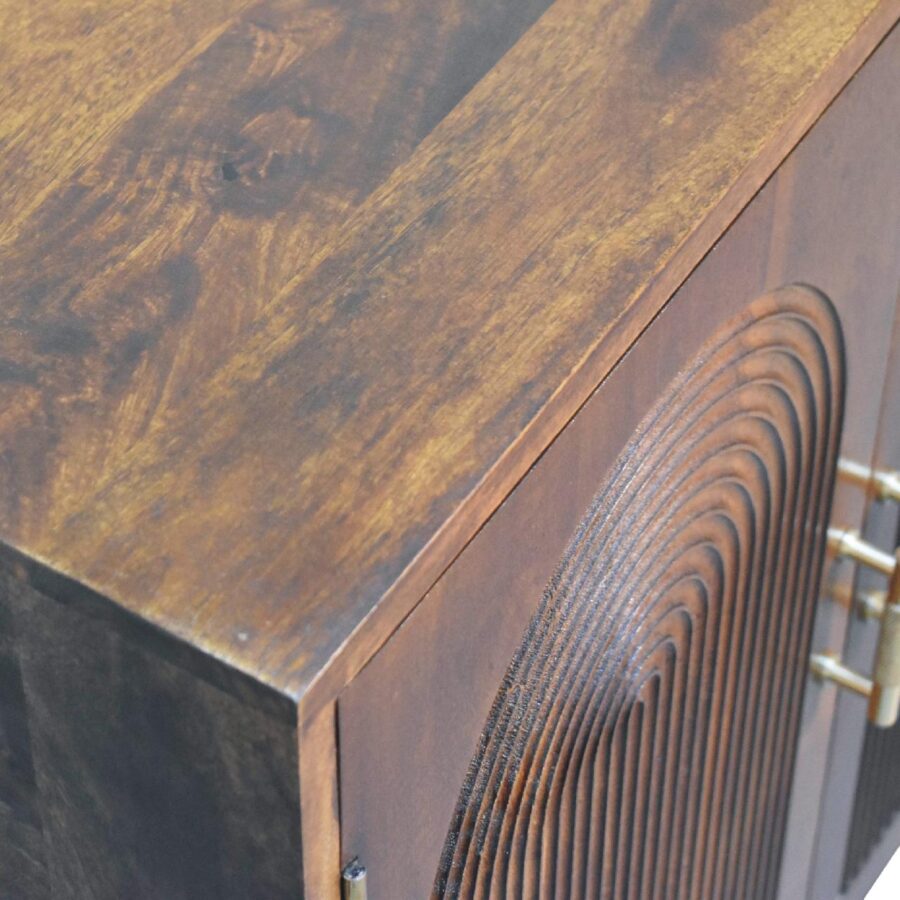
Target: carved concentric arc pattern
(641, 743)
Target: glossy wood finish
(293, 296)
(401, 773)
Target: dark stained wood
(294, 294)
(410, 721)
(872, 110)
(682, 609)
(23, 867)
(876, 805)
(142, 780)
(642, 738)
(873, 832)
(319, 806)
(214, 191)
(74, 73)
(259, 502)
(864, 762)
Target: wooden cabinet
(419, 438)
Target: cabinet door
(606, 694)
(641, 740)
(864, 764)
(636, 737)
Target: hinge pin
(353, 881)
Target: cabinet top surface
(294, 292)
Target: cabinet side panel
(23, 874)
(151, 782)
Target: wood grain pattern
(656, 691)
(319, 807)
(223, 182)
(254, 476)
(73, 73)
(130, 777)
(293, 295)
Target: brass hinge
(883, 689)
(884, 485)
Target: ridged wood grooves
(641, 743)
(877, 800)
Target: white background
(888, 885)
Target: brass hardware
(353, 881)
(870, 604)
(829, 667)
(884, 704)
(883, 690)
(885, 485)
(848, 543)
